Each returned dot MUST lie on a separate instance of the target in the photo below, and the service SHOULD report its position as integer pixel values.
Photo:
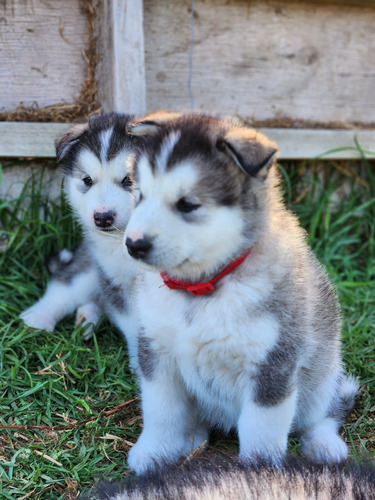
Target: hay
(292, 123)
(87, 101)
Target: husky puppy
(205, 480)
(98, 276)
(241, 325)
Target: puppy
(240, 323)
(98, 276)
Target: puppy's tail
(345, 399)
(57, 262)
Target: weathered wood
(265, 59)
(37, 140)
(41, 56)
(120, 70)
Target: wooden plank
(37, 140)
(120, 70)
(311, 143)
(264, 59)
(41, 47)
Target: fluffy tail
(344, 401)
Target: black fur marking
(65, 272)
(277, 374)
(276, 378)
(342, 404)
(250, 169)
(90, 139)
(222, 182)
(114, 294)
(147, 356)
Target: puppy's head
(95, 158)
(202, 193)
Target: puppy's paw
(261, 455)
(37, 318)
(145, 456)
(325, 449)
(140, 459)
(88, 314)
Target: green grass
(62, 399)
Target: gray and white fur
(260, 354)
(230, 480)
(98, 276)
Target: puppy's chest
(215, 341)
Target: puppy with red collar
(240, 323)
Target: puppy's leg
(55, 304)
(319, 438)
(321, 443)
(128, 324)
(88, 314)
(60, 300)
(166, 417)
(263, 430)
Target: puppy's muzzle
(104, 219)
(138, 248)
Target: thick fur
(98, 276)
(261, 354)
(230, 480)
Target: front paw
(88, 316)
(36, 318)
(261, 455)
(145, 456)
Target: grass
(67, 409)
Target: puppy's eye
(127, 181)
(87, 181)
(185, 206)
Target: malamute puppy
(98, 275)
(241, 325)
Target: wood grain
(41, 47)
(264, 59)
(38, 139)
(120, 70)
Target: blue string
(191, 49)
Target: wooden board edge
(121, 63)
(37, 140)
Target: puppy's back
(207, 480)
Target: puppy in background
(240, 323)
(98, 276)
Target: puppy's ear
(253, 152)
(151, 123)
(66, 141)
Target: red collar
(202, 288)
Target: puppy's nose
(138, 248)
(104, 219)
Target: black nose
(138, 248)
(104, 219)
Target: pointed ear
(66, 141)
(253, 152)
(151, 123)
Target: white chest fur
(216, 341)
